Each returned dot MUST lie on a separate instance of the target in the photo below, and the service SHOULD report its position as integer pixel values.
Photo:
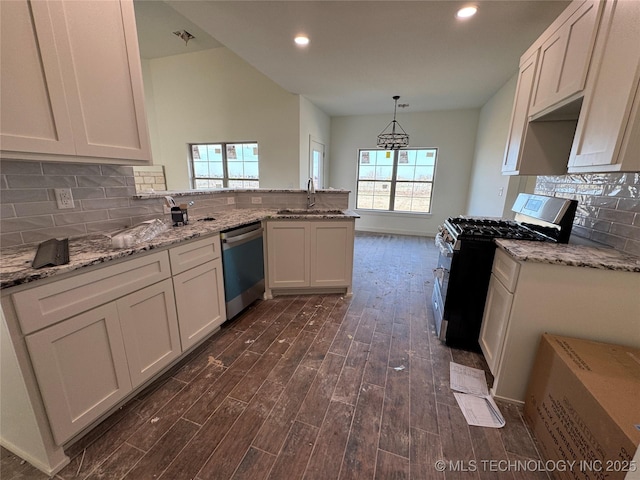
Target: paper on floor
(467, 379)
(474, 400)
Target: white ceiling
(361, 52)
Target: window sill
(394, 214)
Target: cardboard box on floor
(583, 406)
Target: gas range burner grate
(488, 228)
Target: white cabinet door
(565, 58)
(520, 114)
(199, 301)
(288, 254)
(33, 109)
(494, 322)
(90, 80)
(81, 367)
(331, 253)
(100, 61)
(609, 123)
(150, 329)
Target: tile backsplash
(608, 206)
(105, 200)
(102, 196)
(149, 178)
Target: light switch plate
(256, 200)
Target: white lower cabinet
(86, 364)
(96, 337)
(332, 254)
(200, 301)
(309, 254)
(81, 367)
(494, 323)
(150, 330)
(288, 254)
(527, 299)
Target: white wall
(453, 132)
(492, 194)
(317, 124)
(214, 96)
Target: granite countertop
(571, 255)
(15, 262)
(184, 193)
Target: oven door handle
(445, 247)
(440, 272)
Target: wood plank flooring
(310, 387)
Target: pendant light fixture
(393, 139)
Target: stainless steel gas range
(466, 256)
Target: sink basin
(310, 212)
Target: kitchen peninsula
(126, 304)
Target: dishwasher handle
(229, 241)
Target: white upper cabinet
(608, 132)
(520, 114)
(72, 82)
(565, 56)
(34, 116)
(583, 113)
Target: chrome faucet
(311, 193)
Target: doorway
(316, 163)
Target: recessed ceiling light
(467, 12)
(301, 40)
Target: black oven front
(460, 289)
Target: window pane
(413, 197)
(426, 157)
(384, 172)
(367, 172)
(241, 159)
(201, 169)
(424, 174)
(364, 198)
(235, 169)
(251, 170)
(405, 172)
(215, 170)
(214, 153)
(414, 171)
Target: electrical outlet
(64, 198)
(231, 201)
(256, 200)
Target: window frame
(394, 181)
(225, 168)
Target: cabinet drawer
(506, 269)
(193, 254)
(42, 306)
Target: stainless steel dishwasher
(243, 267)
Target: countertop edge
(570, 255)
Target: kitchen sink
(310, 212)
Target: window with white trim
(396, 180)
(224, 165)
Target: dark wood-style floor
(310, 387)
